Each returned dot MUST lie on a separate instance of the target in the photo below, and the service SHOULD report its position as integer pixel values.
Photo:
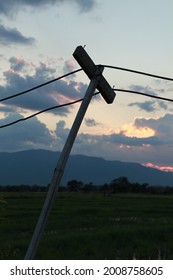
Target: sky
(37, 41)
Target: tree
(74, 185)
(120, 184)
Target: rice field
(89, 226)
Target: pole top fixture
(89, 68)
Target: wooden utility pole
(97, 81)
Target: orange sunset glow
(131, 130)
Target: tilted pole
(97, 81)
(59, 170)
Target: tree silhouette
(74, 185)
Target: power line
(40, 112)
(138, 72)
(39, 86)
(145, 94)
(79, 100)
(78, 70)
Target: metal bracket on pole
(59, 170)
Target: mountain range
(36, 167)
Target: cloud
(156, 149)
(17, 63)
(91, 122)
(122, 139)
(162, 126)
(146, 105)
(86, 5)
(12, 36)
(29, 135)
(61, 131)
(11, 7)
(86, 141)
(69, 65)
(162, 168)
(151, 105)
(146, 89)
(24, 75)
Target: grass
(89, 226)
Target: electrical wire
(144, 94)
(40, 112)
(138, 72)
(78, 70)
(39, 86)
(79, 100)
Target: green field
(89, 226)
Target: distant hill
(37, 166)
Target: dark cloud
(156, 148)
(132, 141)
(11, 36)
(163, 127)
(151, 105)
(61, 131)
(9, 7)
(116, 146)
(118, 139)
(146, 105)
(162, 105)
(86, 5)
(91, 122)
(145, 89)
(59, 92)
(17, 64)
(21, 136)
